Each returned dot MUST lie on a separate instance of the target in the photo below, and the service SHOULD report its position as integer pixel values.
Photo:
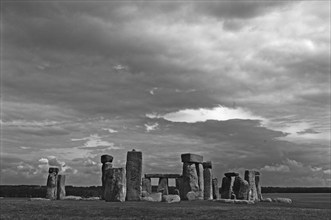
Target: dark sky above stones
(243, 83)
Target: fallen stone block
(170, 198)
(154, 197)
(191, 158)
(91, 198)
(282, 200)
(145, 193)
(243, 202)
(38, 199)
(266, 200)
(225, 200)
(72, 198)
(193, 196)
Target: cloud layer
(244, 83)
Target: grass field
(302, 208)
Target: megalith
(163, 186)
(258, 185)
(250, 178)
(147, 185)
(207, 179)
(61, 186)
(133, 175)
(240, 188)
(115, 185)
(51, 191)
(106, 161)
(216, 191)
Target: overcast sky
(244, 84)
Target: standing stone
(199, 168)
(250, 178)
(227, 183)
(216, 191)
(133, 175)
(106, 161)
(258, 186)
(240, 188)
(115, 185)
(163, 186)
(61, 186)
(51, 191)
(190, 179)
(208, 185)
(179, 187)
(147, 185)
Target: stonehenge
(196, 182)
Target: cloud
(220, 113)
(151, 127)
(95, 141)
(110, 130)
(276, 168)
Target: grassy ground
(23, 209)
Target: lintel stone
(162, 176)
(207, 165)
(191, 158)
(230, 174)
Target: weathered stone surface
(258, 187)
(154, 197)
(207, 179)
(190, 179)
(72, 198)
(115, 185)
(191, 158)
(38, 199)
(170, 198)
(226, 191)
(147, 185)
(133, 175)
(207, 164)
(53, 170)
(145, 193)
(250, 178)
(167, 175)
(105, 166)
(216, 191)
(51, 191)
(266, 200)
(199, 168)
(193, 196)
(226, 200)
(163, 186)
(179, 186)
(231, 174)
(94, 198)
(61, 186)
(240, 188)
(282, 200)
(106, 158)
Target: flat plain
(304, 206)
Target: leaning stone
(115, 185)
(266, 200)
(240, 188)
(61, 186)
(163, 186)
(106, 158)
(227, 183)
(282, 200)
(170, 198)
(191, 158)
(51, 191)
(133, 175)
(250, 178)
(207, 179)
(38, 199)
(216, 191)
(199, 168)
(190, 179)
(146, 185)
(192, 195)
(231, 174)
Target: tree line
(96, 191)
